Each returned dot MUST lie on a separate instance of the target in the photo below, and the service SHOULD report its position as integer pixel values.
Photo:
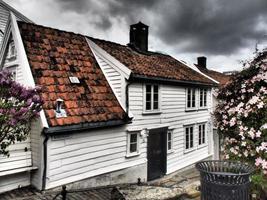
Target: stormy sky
(225, 31)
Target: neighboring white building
(112, 113)
(222, 79)
(15, 170)
(5, 10)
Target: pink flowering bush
(18, 107)
(241, 115)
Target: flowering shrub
(18, 107)
(241, 115)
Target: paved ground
(168, 187)
(32, 194)
(180, 185)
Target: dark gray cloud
(214, 27)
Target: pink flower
(233, 121)
(258, 161)
(258, 133)
(253, 100)
(251, 133)
(264, 164)
(260, 105)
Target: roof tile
(55, 55)
(151, 64)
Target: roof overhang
(142, 78)
(57, 130)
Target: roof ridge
(48, 27)
(99, 39)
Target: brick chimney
(202, 62)
(139, 36)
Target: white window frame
(203, 98)
(191, 97)
(205, 134)
(193, 135)
(170, 132)
(11, 55)
(152, 110)
(137, 152)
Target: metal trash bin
(224, 180)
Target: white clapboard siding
(37, 153)
(17, 159)
(14, 181)
(3, 21)
(5, 10)
(115, 79)
(174, 116)
(87, 154)
(21, 152)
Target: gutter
(136, 77)
(45, 158)
(84, 126)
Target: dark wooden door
(156, 153)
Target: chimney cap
(139, 24)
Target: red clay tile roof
(218, 76)
(56, 55)
(151, 64)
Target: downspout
(45, 158)
(127, 97)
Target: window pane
(148, 97)
(188, 98)
(187, 138)
(199, 134)
(169, 136)
(156, 89)
(205, 97)
(156, 105)
(191, 137)
(193, 98)
(203, 134)
(148, 105)
(133, 138)
(169, 145)
(133, 147)
(148, 88)
(201, 98)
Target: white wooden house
(112, 113)
(15, 170)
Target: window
(189, 137)
(202, 98)
(11, 50)
(191, 98)
(133, 144)
(169, 141)
(151, 97)
(201, 134)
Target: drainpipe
(127, 97)
(45, 158)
